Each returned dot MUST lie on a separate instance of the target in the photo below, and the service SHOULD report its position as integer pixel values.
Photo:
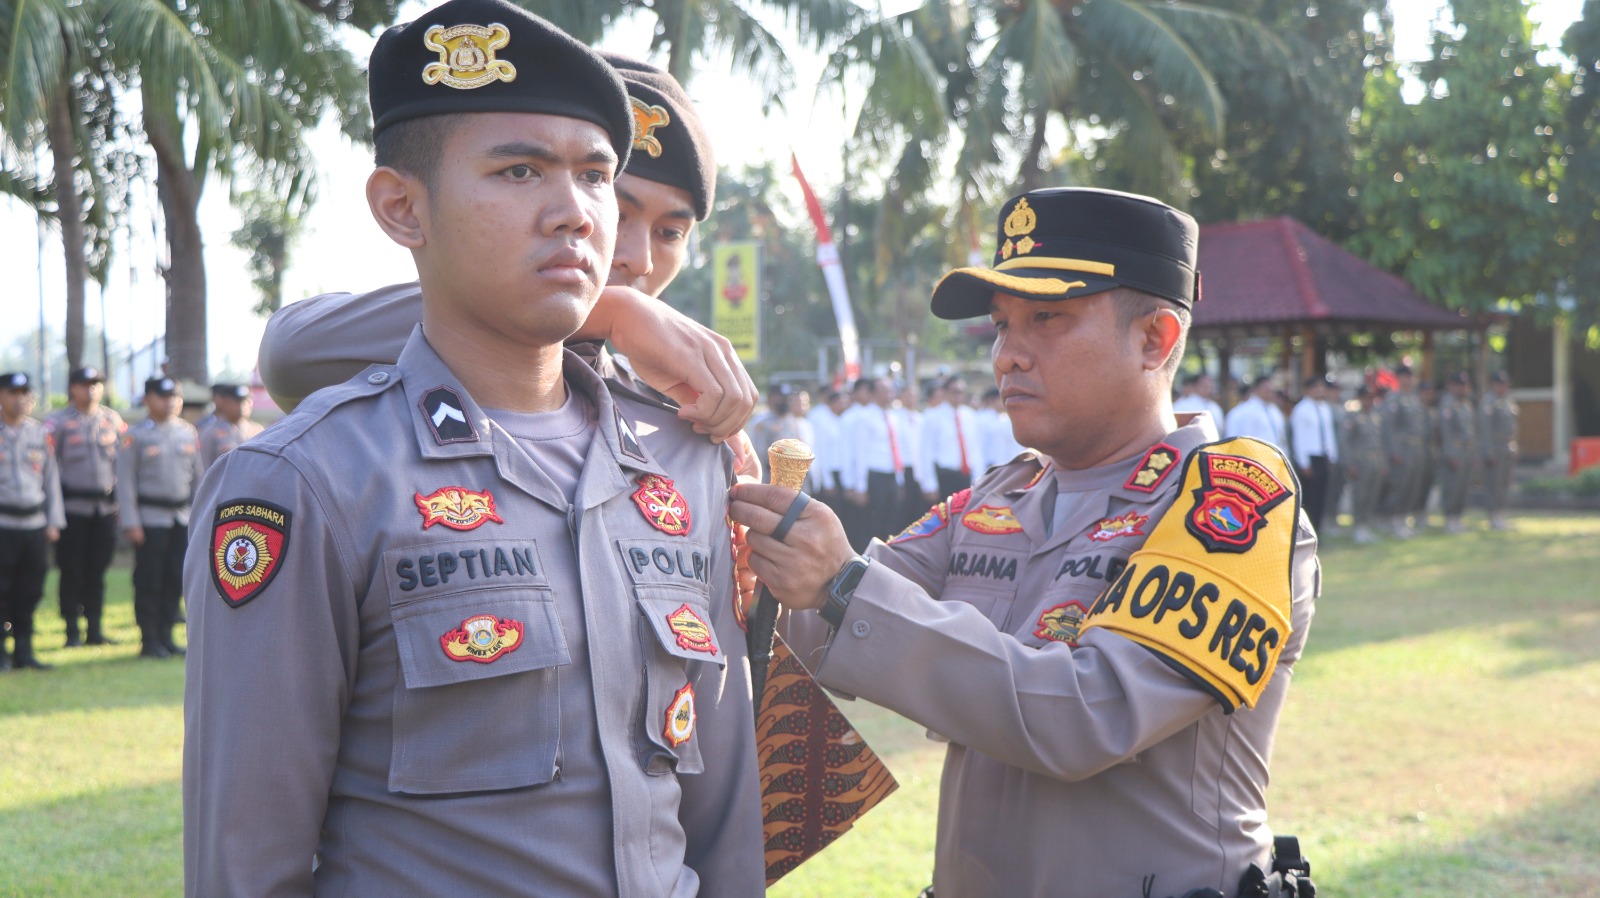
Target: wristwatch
(840, 590)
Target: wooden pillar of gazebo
(1310, 365)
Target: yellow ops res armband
(1210, 590)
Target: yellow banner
(736, 297)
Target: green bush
(1585, 483)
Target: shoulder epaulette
(370, 382)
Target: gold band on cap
(1083, 265)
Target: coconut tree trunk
(1032, 168)
(179, 191)
(69, 206)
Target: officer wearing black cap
(158, 469)
(229, 423)
(1018, 618)
(86, 435)
(465, 622)
(30, 516)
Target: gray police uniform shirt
(1076, 769)
(360, 696)
(86, 451)
(158, 468)
(30, 485)
(218, 437)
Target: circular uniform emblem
(680, 716)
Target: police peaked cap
(670, 145)
(15, 380)
(1067, 242)
(160, 386)
(88, 374)
(491, 56)
(231, 391)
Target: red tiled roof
(1264, 275)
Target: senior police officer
(229, 423)
(30, 515)
(158, 468)
(86, 434)
(511, 666)
(1102, 629)
(1499, 429)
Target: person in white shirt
(828, 469)
(1259, 415)
(1314, 433)
(882, 463)
(999, 443)
(950, 444)
(1198, 392)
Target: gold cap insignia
(1019, 223)
(466, 55)
(646, 119)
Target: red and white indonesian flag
(833, 273)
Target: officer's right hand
(135, 536)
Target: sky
(342, 249)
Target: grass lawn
(1442, 739)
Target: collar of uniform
(618, 429)
(423, 373)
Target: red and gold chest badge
(482, 638)
(1153, 468)
(663, 506)
(692, 632)
(994, 519)
(680, 716)
(1062, 622)
(248, 539)
(1232, 501)
(457, 508)
(1130, 524)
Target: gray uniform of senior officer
(465, 623)
(1104, 629)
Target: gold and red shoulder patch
(1153, 468)
(692, 632)
(248, 539)
(457, 507)
(1130, 524)
(937, 518)
(1062, 622)
(482, 638)
(1231, 502)
(680, 716)
(993, 519)
(663, 506)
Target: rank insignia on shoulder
(1153, 468)
(1061, 622)
(442, 407)
(992, 519)
(680, 716)
(627, 441)
(692, 632)
(1130, 524)
(663, 506)
(457, 508)
(466, 55)
(482, 638)
(248, 539)
(1232, 501)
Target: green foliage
(268, 234)
(1580, 182)
(1457, 192)
(1585, 484)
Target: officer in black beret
(955, 623)
(422, 641)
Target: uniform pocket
(478, 704)
(678, 637)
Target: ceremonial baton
(789, 461)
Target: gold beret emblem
(466, 55)
(646, 119)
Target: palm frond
(1131, 33)
(38, 41)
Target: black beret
(88, 374)
(232, 391)
(160, 386)
(1067, 242)
(670, 145)
(491, 56)
(15, 380)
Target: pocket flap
(477, 636)
(681, 620)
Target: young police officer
(467, 621)
(30, 515)
(86, 434)
(1103, 630)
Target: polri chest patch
(662, 505)
(457, 508)
(1130, 524)
(248, 541)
